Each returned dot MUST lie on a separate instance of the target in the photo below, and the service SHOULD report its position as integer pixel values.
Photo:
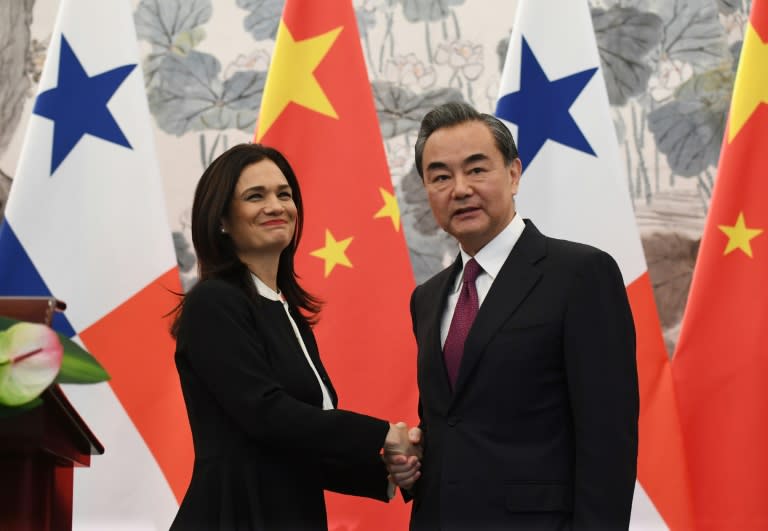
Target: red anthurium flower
(30, 358)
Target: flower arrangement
(32, 357)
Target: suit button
(453, 420)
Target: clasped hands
(402, 454)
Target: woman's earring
(223, 230)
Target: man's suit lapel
(434, 315)
(516, 279)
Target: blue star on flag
(78, 105)
(540, 108)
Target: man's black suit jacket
(540, 431)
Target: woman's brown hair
(216, 255)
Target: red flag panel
(722, 358)
(365, 333)
(144, 374)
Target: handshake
(402, 454)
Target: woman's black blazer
(264, 447)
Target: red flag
(318, 110)
(722, 357)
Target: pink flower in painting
(256, 60)
(400, 160)
(668, 77)
(408, 70)
(461, 56)
(30, 358)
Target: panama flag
(318, 110)
(86, 223)
(721, 361)
(554, 99)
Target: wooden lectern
(40, 447)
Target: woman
(267, 436)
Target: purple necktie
(463, 316)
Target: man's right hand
(402, 454)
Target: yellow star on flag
(390, 209)
(291, 76)
(739, 236)
(333, 253)
(750, 88)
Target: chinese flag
(318, 110)
(721, 364)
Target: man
(526, 371)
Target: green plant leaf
(77, 364)
(6, 323)
(7, 411)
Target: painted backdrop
(669, 66)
